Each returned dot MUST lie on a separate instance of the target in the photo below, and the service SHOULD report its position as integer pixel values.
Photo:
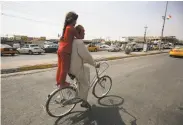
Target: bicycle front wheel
(54, 104)
(102, 86)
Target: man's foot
(85, 105)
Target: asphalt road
(146, 90)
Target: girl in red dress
(65, 48)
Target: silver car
(30, 49)
(104, 48)
(114, 48)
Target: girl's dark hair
(70, 17)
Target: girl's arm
(73, 32)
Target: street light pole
(145, 33)
(164, 20)
(145, 45)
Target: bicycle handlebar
(97, 69)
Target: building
(20, 39)
(11, 41)
(140, 39)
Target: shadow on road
(181, 108)
(178, 57)
(106, 114)
(111, 100)
(8, 55)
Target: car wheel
(39, 53)
(30, 52)
(13, 54)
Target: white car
(30, 49)
(104, 48)
(114, 48)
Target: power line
(14, 10)
(29, 19)
(21, 5)
(14, 4)
(6, 7)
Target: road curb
(45, 66)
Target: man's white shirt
(79, 56)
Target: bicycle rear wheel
(54, 104)
(102, 86)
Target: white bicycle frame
(96, 77)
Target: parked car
(92, 48)
(138, 47)
(114, 48)
(104, 47)
(30, 49)
(168, 46)
(7, 49)
(16, 45)
(50, 48)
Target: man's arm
(85, 54)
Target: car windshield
(49, 43)
(34, 46)
(5, 46)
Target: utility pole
(145, 33)
(164, 19)
(145, 45)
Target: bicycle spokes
(102, 85)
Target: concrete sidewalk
(18, 66)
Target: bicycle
(97, 82)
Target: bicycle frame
(97, 76)
(74, 87)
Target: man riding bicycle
(79, 57)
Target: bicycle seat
(71, 76)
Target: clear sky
(100, 19)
